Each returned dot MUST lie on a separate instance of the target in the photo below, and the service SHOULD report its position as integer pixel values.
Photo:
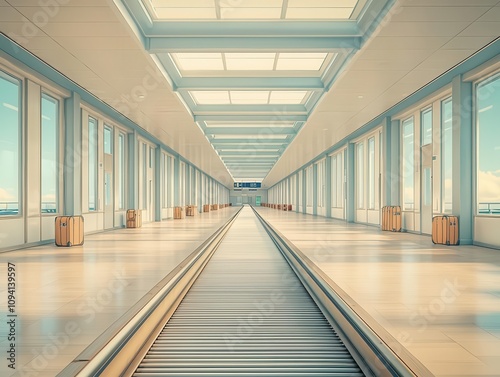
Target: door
(109, 212)
(426, 189)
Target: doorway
(109, 211)
(426, 189)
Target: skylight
(252, 125)
(250, 10)
(244, 61)
(241, 97)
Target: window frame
(20, 82)
(493, 76)
(59, 152)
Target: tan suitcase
(445, 230)
(391, 218)
(190, 210)
(385, 218)
(69, 231)
(290, 207)
(206, 208)
(395, 218)
(215, 207)
(179, 213)
(134, 218)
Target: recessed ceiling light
(361, 97)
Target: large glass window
(371, 173)
(10, 118)
(144, 176)
(121, 171)
(301, 188)
(446, 153)
(170, 181)
(108, 140)
(426, 126)
(92, 142)
(49, 153)
(408, 165)
(337, 181)
(309, 186)
(488, 146)
(321, 183)
(360, 175)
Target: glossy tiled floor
(440, 303)
(67, 297)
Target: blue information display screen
(247, 184)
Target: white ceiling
(90, 42)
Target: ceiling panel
(482, 29)
(423, 29)
(441, 14)
(65, 14)
(448, 3)
(97, 43)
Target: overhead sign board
(253, 185)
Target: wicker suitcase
(134, 218)
(445, 230)
(69, 231)
(179, 213)
(391, 218)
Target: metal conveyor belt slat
(247, 315)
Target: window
(446, 153)
(408, 165)
(321, 183)
(49, 154)
(121, 171)
(426, 126)
(144, 176)
(371, 173)
(309, 186)
(10, 144)
(182, 186)
(92, 146)
(488, 146)
(337, 181)
(170, 183)
(301, 188)
(360, 181)
(108, 140)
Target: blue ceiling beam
(248, 44)
(254, 83)
(244, 28)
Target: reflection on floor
(441, 303)
(67, 297)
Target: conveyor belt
(246, 315)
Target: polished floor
(67, 297)
(440, 303)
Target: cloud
(5, 196)
(488, 187)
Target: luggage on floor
(206, 208)
(134, 218)
(445, 230)
(179, 213)
(391, 218)
(190, 210)
(69, 231)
